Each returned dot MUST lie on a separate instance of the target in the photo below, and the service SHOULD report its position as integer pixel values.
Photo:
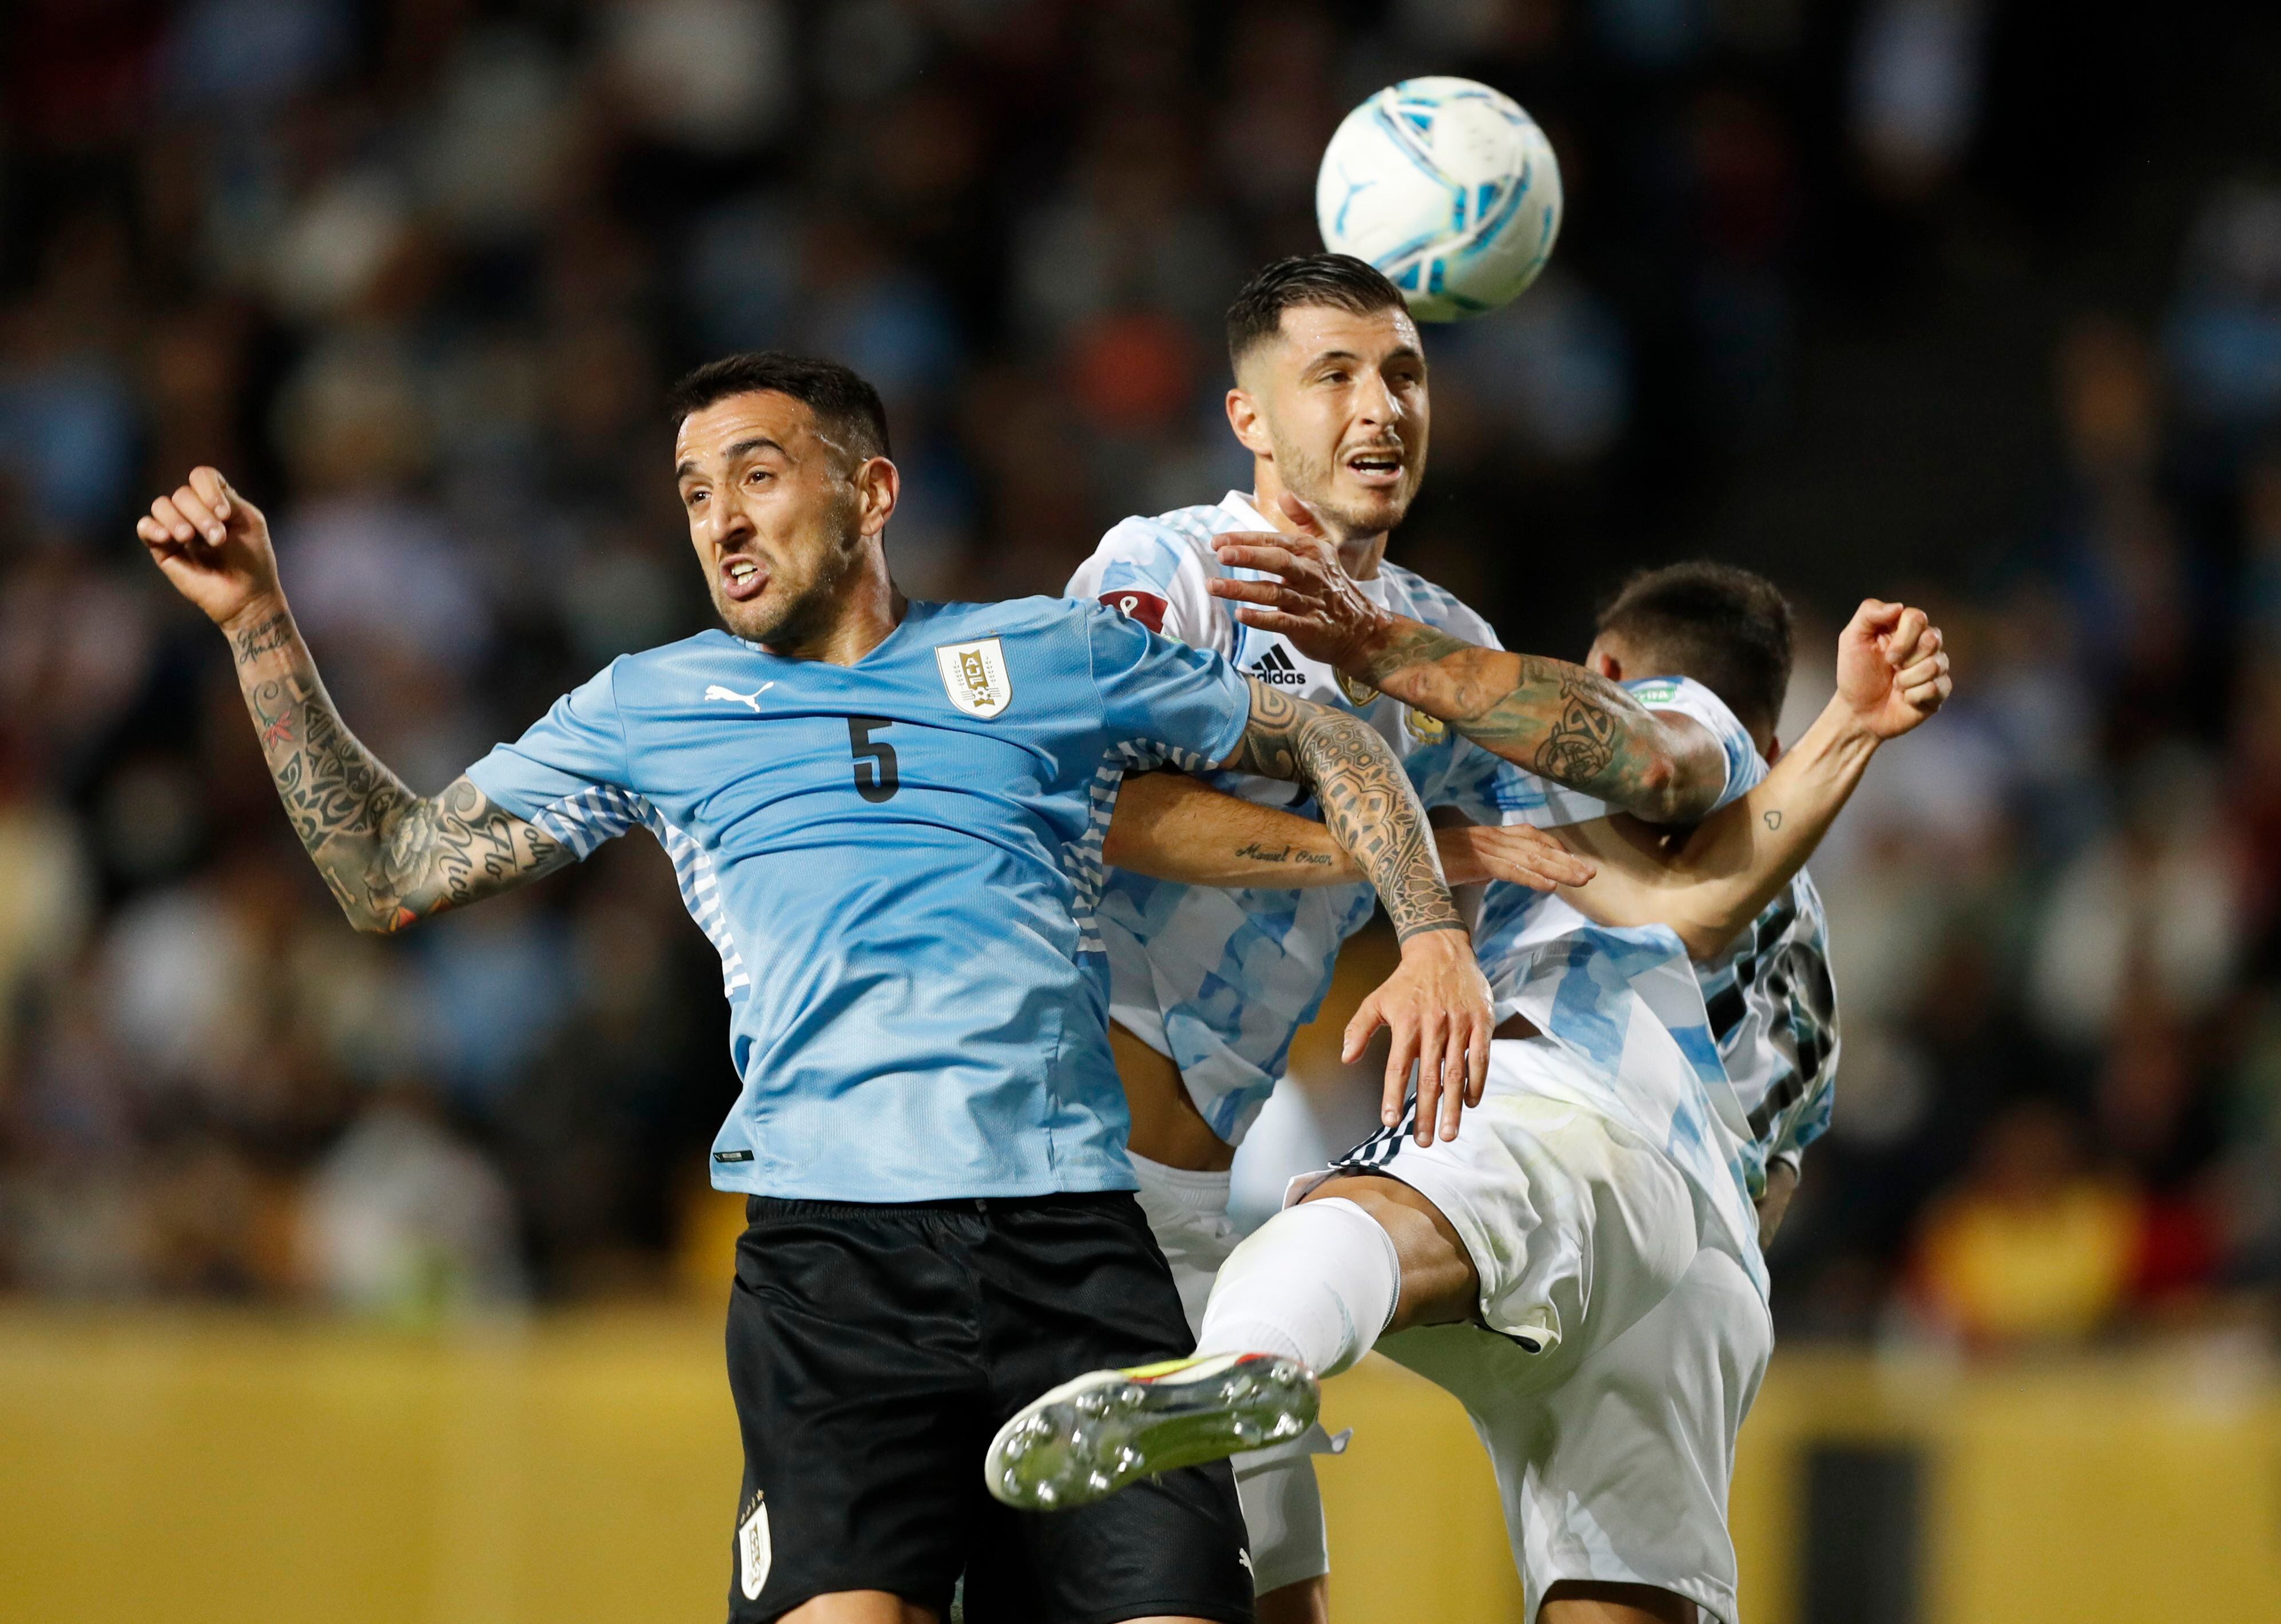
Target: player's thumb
(1300, 514)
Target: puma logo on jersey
(715, 690)
(1275, 668)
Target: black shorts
(873, 1352)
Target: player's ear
(1774, 751)
(1605, 664)
(879, 485)
(1243, 416)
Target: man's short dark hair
(848, 409)
(1340, 281)
(1727, 628)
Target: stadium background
(1973, 301)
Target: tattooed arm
(1891, 676)
(1559, 721)
(1435, 1004)
(1368, 804)
(1170, 827)
(390, 857)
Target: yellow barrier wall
(243, 1472)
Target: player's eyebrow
(687, 466)
(1410, 352)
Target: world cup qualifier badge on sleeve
(974, 676)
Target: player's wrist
(1374, 651)
(257, 610)
(261, 634)
(1850, 725)
(1443, 940)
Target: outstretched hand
(1314, 603)
(1892, 672)
(1436, 1005)
(213, 545)
(1472, 854)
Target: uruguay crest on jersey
(974, 676)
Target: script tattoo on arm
(1367, 798)
(1255, 852)
(390, 858)
(1560, 721)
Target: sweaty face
(1341, 398)
(772, 510)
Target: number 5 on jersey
(875, 758)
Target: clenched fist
(213, 544)
(1892, 672)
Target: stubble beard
(797, 618)
(1309, 480)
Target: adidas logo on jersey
(1275, 668)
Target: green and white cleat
(1090, 1437)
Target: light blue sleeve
(568, 773)
(1187, 706)
(1690, 698)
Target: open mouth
(743, 578)
(1378, 468)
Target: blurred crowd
(415, 271)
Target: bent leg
(1580, 1601)
(1440, 1285)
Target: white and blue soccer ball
(1448, 187)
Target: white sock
(1316, 1283)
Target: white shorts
(1621, 1353)
(1282, 1506)
(1619, 1473)
(1576, 1223)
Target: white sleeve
(1524, 798)
(1690, 698)
(1155, 574)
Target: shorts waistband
(759, 1207)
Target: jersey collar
(1239, 507)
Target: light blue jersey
(1220, 981)
(899, 862)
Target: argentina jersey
(1218, 980)
(899, 862)
(1515, 921)
(1611, 994)
(1773, 1010)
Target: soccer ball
(1449, 188)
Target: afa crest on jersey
(974, 676)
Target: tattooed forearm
(1561, 721)
(389, 858)
(1255, 852)
(1366, 799)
